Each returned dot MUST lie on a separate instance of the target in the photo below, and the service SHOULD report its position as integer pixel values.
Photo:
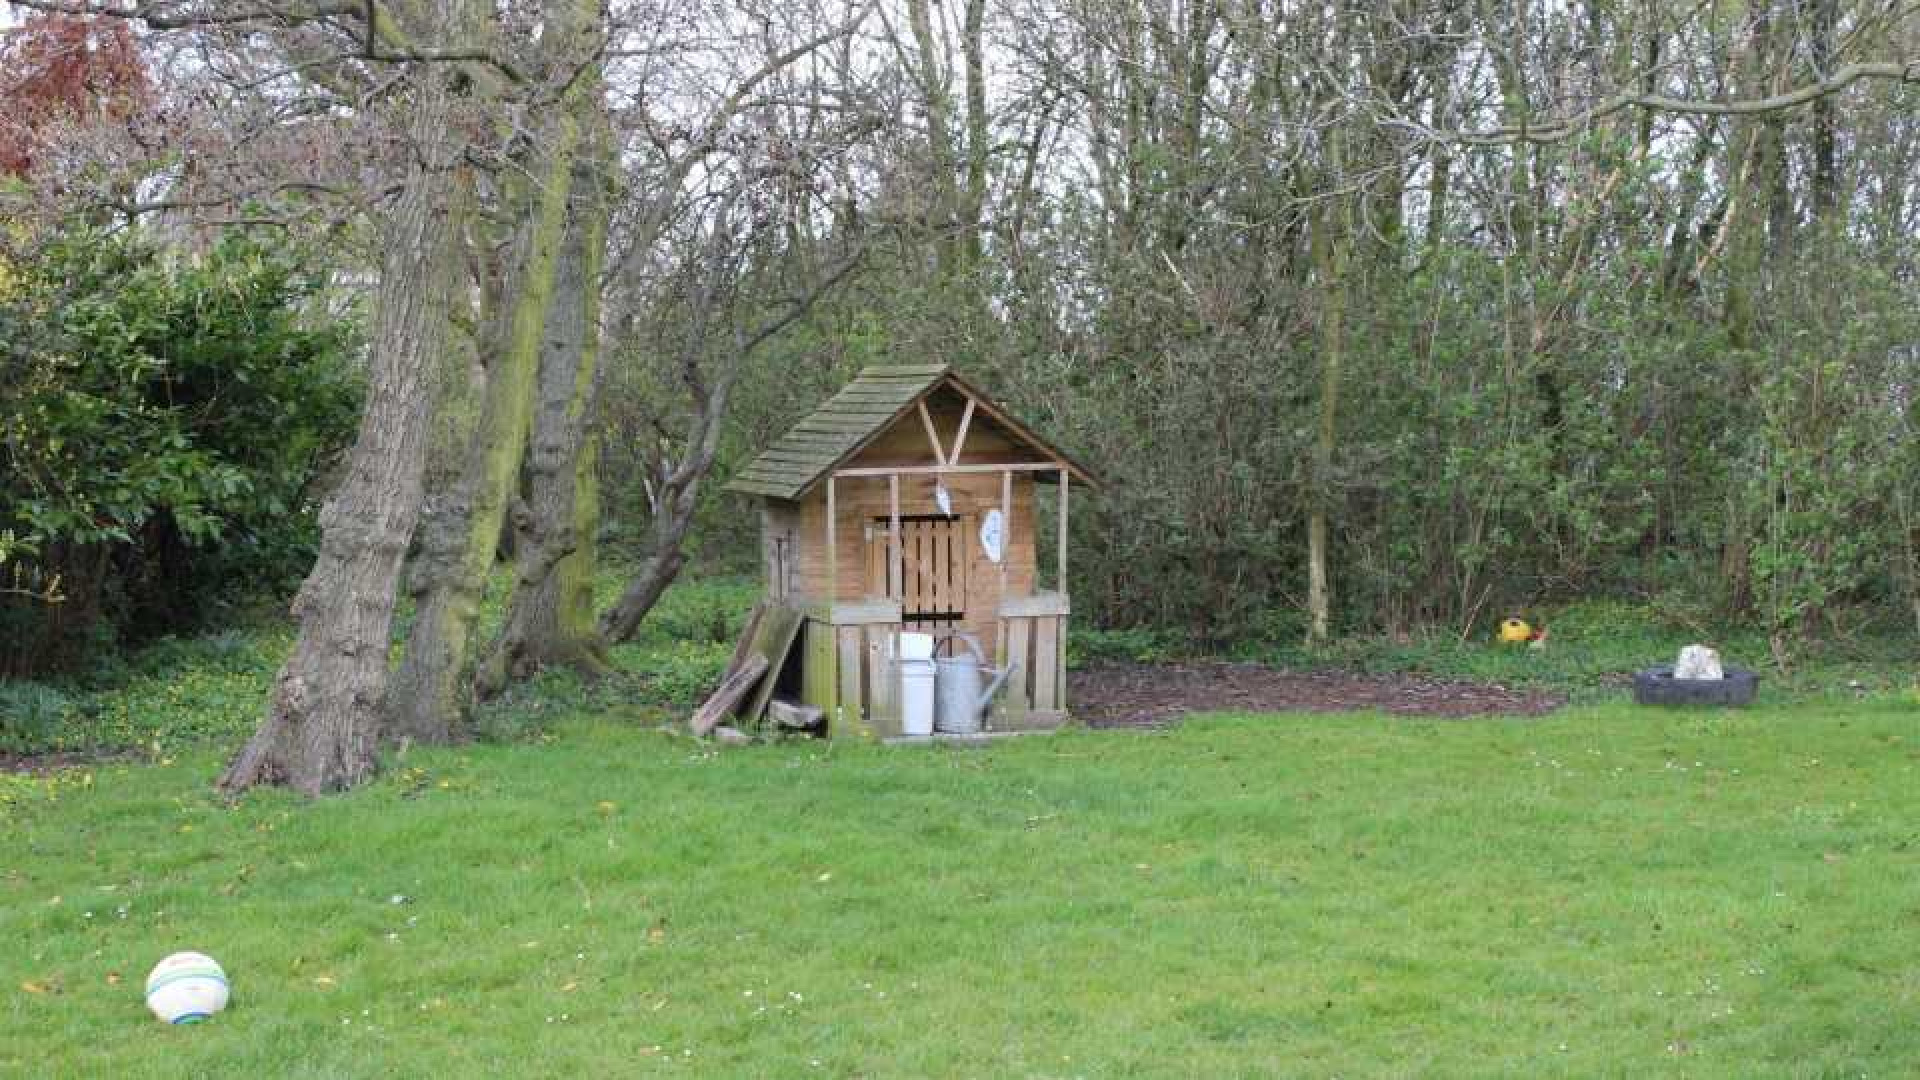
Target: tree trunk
(550, 613)
(431, 691)
(671, 519)
(1825, 183)
(323, 718)
(1331, 246)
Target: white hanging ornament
(942, 499)
(993, 535)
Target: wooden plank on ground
(747, 634)
(732, 689)
(791, 717)
(775, 641)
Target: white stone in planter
(1698, 662)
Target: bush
(1140, 645)
(160, 440)
(711, 611)
(30, 715)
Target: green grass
(1609, 891)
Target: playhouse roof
(860, 413)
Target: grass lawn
(1608, 891)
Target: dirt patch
(1147, 695)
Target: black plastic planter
(1657, 686)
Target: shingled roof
(860, 413)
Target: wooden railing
(1033, 640)
(851, 665)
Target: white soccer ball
(186, 988)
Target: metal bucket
(960, 701)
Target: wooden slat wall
(1046, 658)
(781, 544)
(934, 554)
(883, 681)
(852, 674)
(819, 683)
(1036, 695)
(850, 658)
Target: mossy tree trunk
(433, 688)
(550, 614)
(430, 691)
(323, 717)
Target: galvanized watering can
(959, 701)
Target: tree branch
(161, 15)
(1557, 129)
(382, 41)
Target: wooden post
(960, 438)
(1060, 578)
(1006, 525)
(896, 567)
(833, 552)
(1002, 646)
(926, 419)
(1057, 669)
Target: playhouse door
(933, 553)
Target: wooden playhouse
(909, 502)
